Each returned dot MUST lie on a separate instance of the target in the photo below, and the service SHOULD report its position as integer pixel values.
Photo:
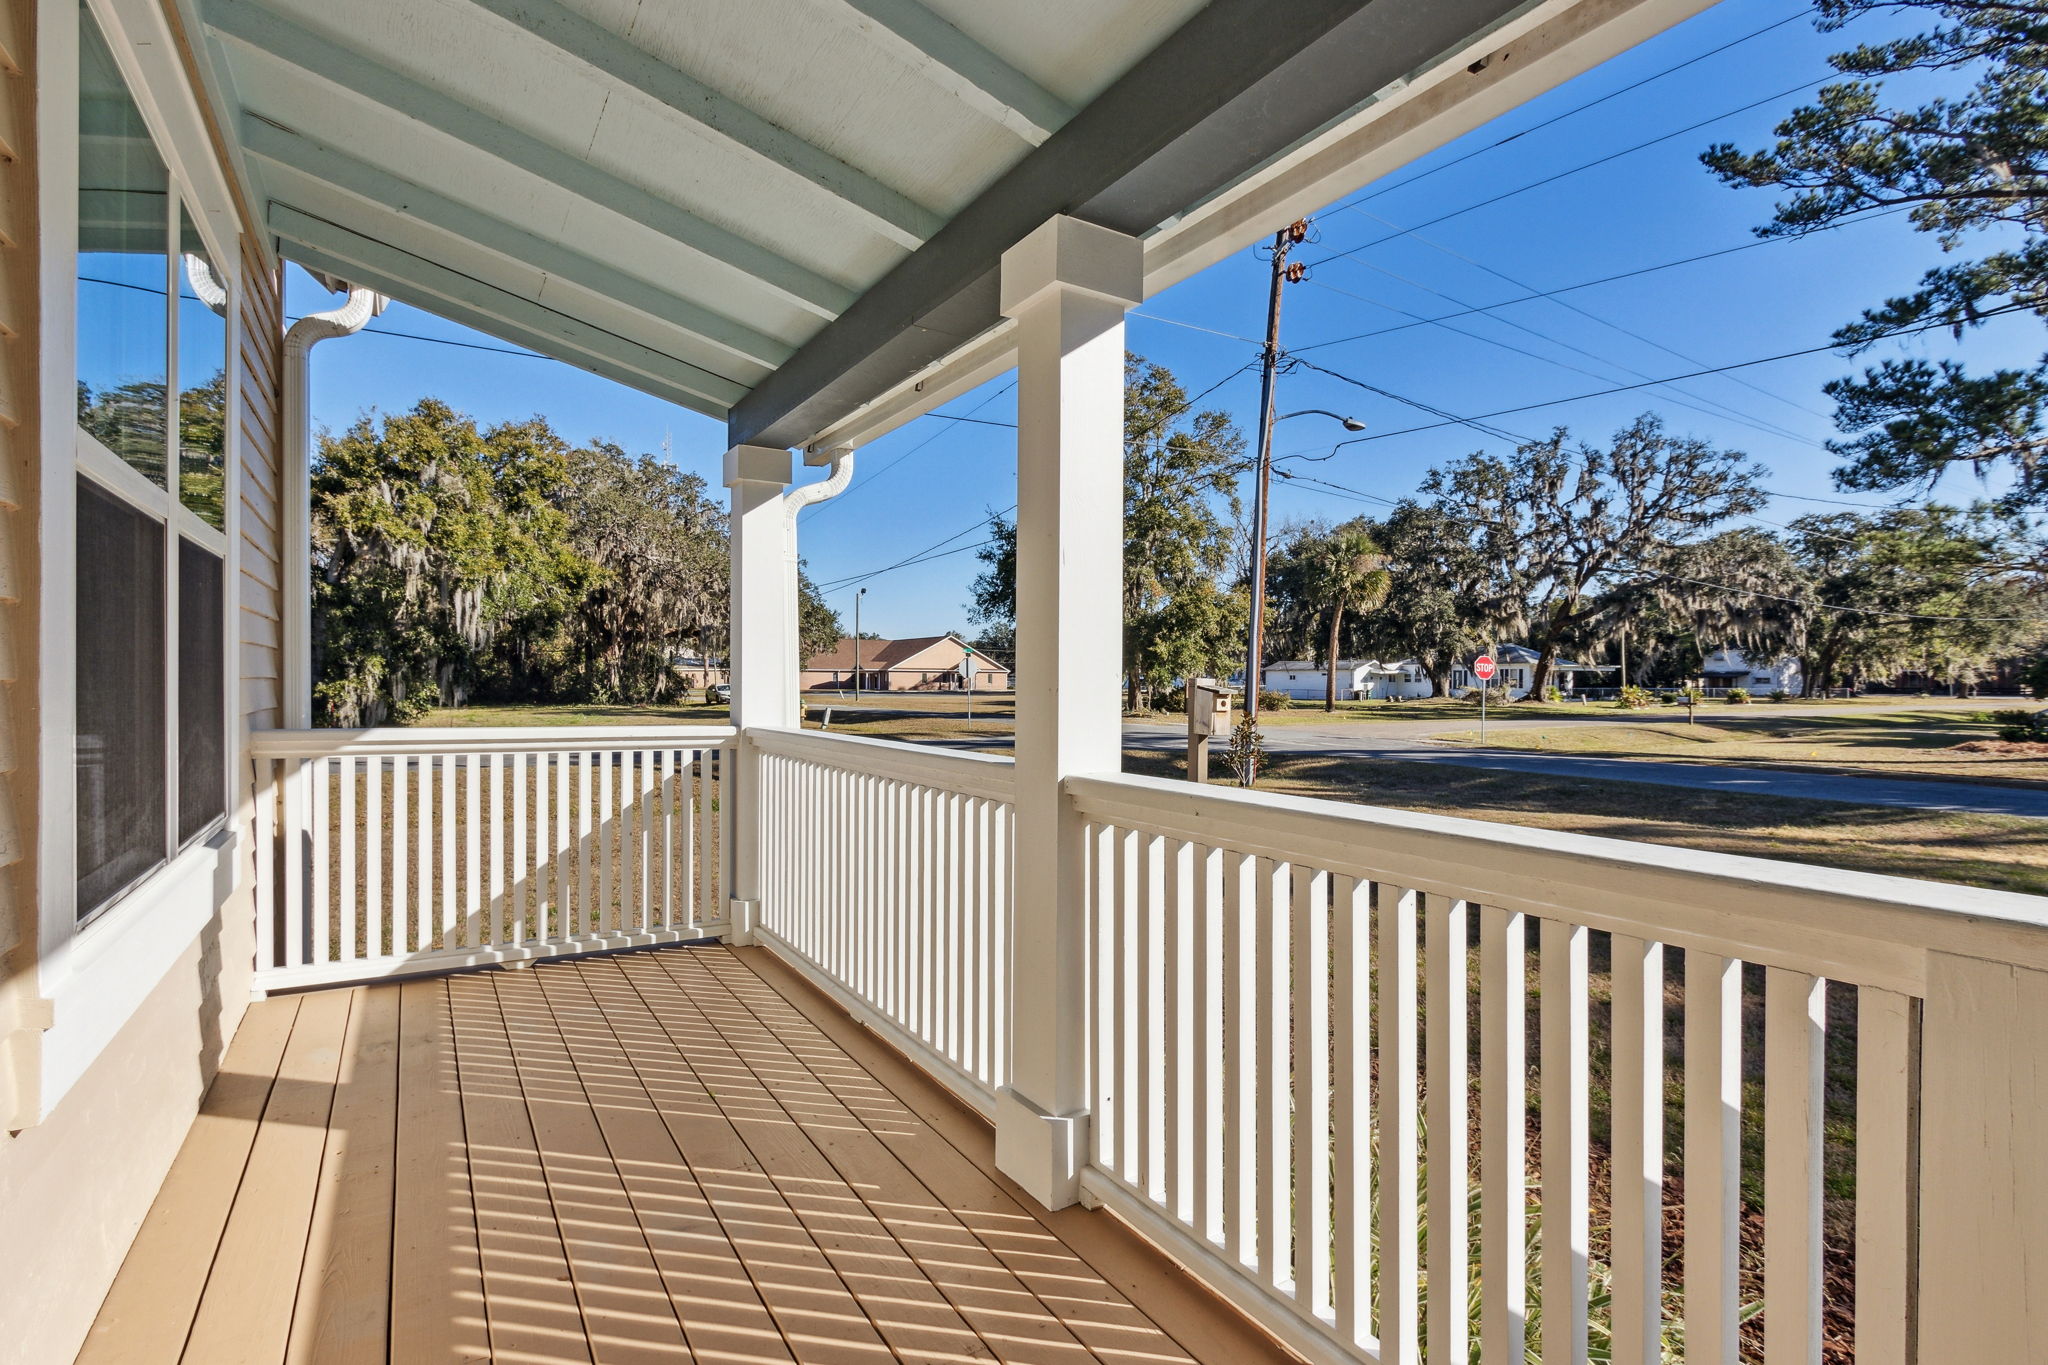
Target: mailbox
(1208, 708)
(1208, 716)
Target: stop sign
(1482, 667)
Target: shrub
(1274, 701)
(1690, 696)
(1552, 693)
(1738, 696)
(1246, 754)
(2021, 726)
(1779, 694)
(1634, 698)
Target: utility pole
(1254, 667)
(856, 642)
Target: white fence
(396, 851)
(887, 880)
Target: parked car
(720, 692)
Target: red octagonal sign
(1482, 667)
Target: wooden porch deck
(682, 1155)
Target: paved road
(1403, 741)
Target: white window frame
(97, 973)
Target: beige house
(827, 1047)
(927, 663)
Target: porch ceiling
(773, 211)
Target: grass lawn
(2002, 852)
(690, 713)
(1881, 744)
(1978, 850)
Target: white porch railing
(1400, 1086)
(887, 880)
(397, 851)
(1283, 993)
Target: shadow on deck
(677, 1155)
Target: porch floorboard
(680, 1155)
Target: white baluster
(1447, 1093)
(1638, 1147)
(1566, 1181)
(1713, 1155)
(1795, 1031)
(1504, 1139)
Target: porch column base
(740, 918)
(1042, 1152)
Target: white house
(1306, 680)
(1515, 668)
(1728, 667)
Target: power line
(1587, 313)
(1650, 383)
(1863, 216)
(921, 555)
(1572, 170)
(869, 480)
(1697, 402)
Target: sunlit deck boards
(674, 1156)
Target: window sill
(99, 977)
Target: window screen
(120, 656)
(202, 724)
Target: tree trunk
(1439, 682)
(1539, 677)
(1330, 669)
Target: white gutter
(297, 664)
(793, 502)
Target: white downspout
(297, 567)
(793, 502)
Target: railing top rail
(985, 775)
(467, 739)
(1850, 926)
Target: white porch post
(760, 650)
(1067, 285)
(1982, 1163)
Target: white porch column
(1982, 1163)
(760, 650)
(1067, 285)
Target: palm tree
(1346, 571)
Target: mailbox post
(1208, 716)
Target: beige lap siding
(258, 366)
(19, 484)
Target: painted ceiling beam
(269, 142)
(416, 280)
(961, 66)
(1238, 84)
(899, 218)
(267, 32)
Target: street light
(1255, 650)
(1350, 423)
(856, 642)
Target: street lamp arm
(1350, 423)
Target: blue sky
(1453, 231)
